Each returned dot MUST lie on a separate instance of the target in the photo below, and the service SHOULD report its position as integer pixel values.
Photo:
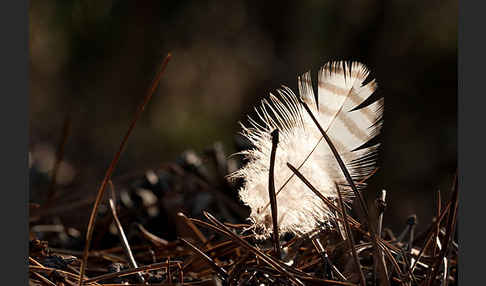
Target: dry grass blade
(32, 260)
(345, 171)
(432, 236)
(392, 259)
(319, 194)
(149, 267)
(350, 238)
(238, 267)
(318, 281)
(380, 205)
(406, 266)
(450, 230)
(201, 254)
(273, 198)
(169, 273)
(50, 270)
(216, 229)
(208, 225)
(111, 168)
(194, 228)
(157, 241)
(43, 279)
(229, 245)
(265, 258)
(207, 282)
(181, 272)
(124, 240)
(437, 229)
(322, 251)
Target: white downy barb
(340, 91)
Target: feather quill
(340, 92)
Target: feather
(340, 92)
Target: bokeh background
(93, 61)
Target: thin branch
(273, 198)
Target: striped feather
(340, 92)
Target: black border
(14, 158)
(471, 143)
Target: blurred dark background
(94, 60)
